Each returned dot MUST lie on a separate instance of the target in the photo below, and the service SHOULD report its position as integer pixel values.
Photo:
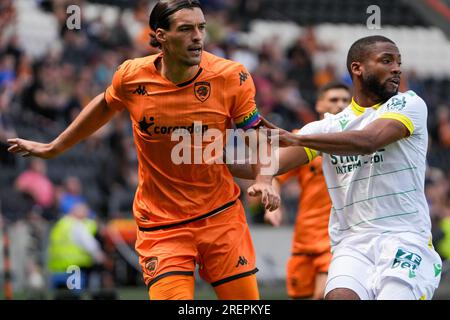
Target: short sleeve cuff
(311, 154)
(399, 117)
(111, 101)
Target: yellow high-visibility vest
(63, 251)
(443, 247)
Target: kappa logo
(202, 90)
(141, 91)
(242, 77)
(242, 261)
(151, 265)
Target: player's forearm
(242, 171)
(90, 119)
(342, 143)
(262, 173)
(291, 158)
(267, 164)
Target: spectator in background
(7, 129)
(45, 97)
(71, 195)
(35, 183)
(301, 70)
(73, 243)
(443, 116)
(437, 193)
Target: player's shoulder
(402, 100)
(222, 66)
(132, 67)
(345, 114)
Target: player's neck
(364, 97)
(176, 73)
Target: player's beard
(371, 83)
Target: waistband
(203, 216)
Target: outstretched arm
(91, 118)
(289, 158)
(374, 136)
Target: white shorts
(365, 264)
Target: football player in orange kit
(308, 265)
(187, 214)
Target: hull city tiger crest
(202, 91)
(150, 266)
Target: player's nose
(197, 35)
(396, 69)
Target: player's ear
(356, 68)
(160, 35)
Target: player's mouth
(195, 50)
(395, 82)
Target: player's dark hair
(331, 85)
(161, 12)
(360, 48)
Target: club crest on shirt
(396, 104)
(202, 90)
(151, 265)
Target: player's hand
(26, 148)
(269, 197)
(285, 138)
(273, 217)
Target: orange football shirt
(221, 92)
(311, 225)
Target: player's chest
(200, 101)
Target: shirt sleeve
(114, 94)
(242, 92)
(315, 127)
(409, 109)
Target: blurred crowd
(43, 95)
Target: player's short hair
(161, 12)
(329, 86)
(359, 49)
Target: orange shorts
(221, 245)
(301, 273)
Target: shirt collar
(358, 110)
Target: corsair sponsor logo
(151, 129)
